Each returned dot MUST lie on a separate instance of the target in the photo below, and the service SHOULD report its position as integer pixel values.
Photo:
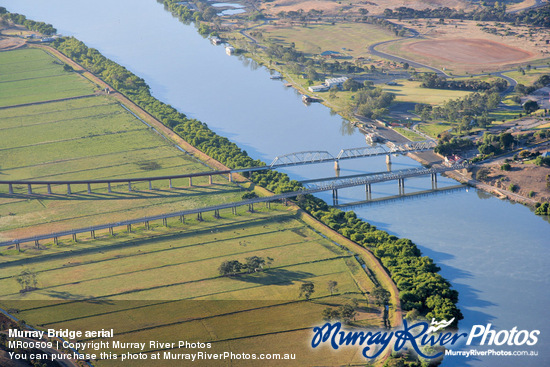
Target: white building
(335, 81)
(318, 88)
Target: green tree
(230, 267)
(307, 289)
(27, 280)
(530, 106)
(381, 296)
(254, 264)
(330, 314)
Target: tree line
(416, 276)
(434, 81)
(539, 17)
(20, 19)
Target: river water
(495, 253)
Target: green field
(120, 282)
(87, 138)
(412, 136)
(434, 129)
(30, 75)
(313, 39)
(410, 91)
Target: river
(494, 252)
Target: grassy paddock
(408, 91)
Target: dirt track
(468, 51)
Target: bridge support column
(147, 227)
(234, 210)
(92, 234)
(129, 228)
(89, 188)
(129, 185)
(55, 241)
(150, 185)
(182, 219)
(334, 197)
(199, 216)
(217, 213)
(434, 181)
(165, 222)
(230, 177)
(251, 208)
(111, 232)
(190, 181)
(268, 204)
(401, 182)
(49, 189)
(74, 237)
(388, 159)
(17, 247)
(29, 189)
(36, 244)
(337, 165)
(109, 187)
(368, 191)
(68, 189)
(210, 180)
(10, 189)
(170, 183)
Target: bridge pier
(147, 227)
(368, 191)
(388, 159)
(401, 182)
(89, 188)
(74, 237)
(234, 210)
(68, 189)
(111, 232)
(334, 197)
(170, 183)
(217, 213)
(92, 234)
(165, 222)
(268, 204)
(129, 185)
(182, 219)
(230, 177)
(109, 187)
(434, 181)
(55, 241)
(18, 248)
(29, 189)
(199, 216)
(337, 165)
(129, 228)
(150, 185)
(251, 208)
(10, 189)
(210, 180)
(190, 181)
(36, 244)
(49, 189)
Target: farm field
(172, 273)
(30, 75)
(350, 39)
(87, 138)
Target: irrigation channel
(495, 253)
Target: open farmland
(85, 138)
(350, 39)
(172, 273)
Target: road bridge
(198, 212)
(292, 159)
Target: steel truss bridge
(340, 183)
(292, 159)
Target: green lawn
(410, 91)
(434, 129)
(409, 134)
